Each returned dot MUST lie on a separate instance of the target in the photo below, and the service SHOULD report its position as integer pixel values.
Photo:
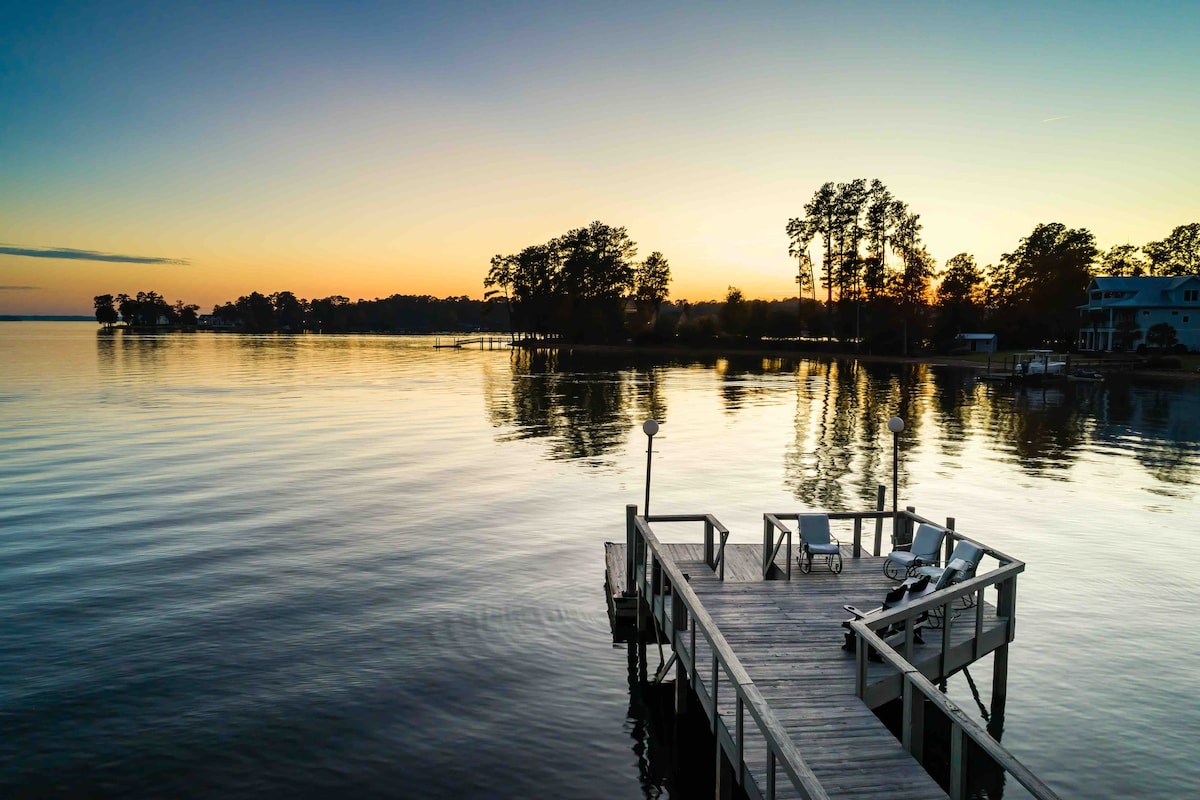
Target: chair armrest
(858, 612)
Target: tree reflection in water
(586, 404)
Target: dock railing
(777, 536)
(916, 687)
(714, 555)
(685, 618)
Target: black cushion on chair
(918, 586)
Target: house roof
(1145, 290)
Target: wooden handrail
(1003, 558)
(716, 560)
(857, 548)
(781, 749)
(771, 524)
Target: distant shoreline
(998, 363)
(1188, 374)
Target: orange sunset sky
(207, 151)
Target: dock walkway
(787, 636)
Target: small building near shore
(974, 343)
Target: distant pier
(483, 342)
(760, 646)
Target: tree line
(283, 311)
(579, 285)
(883, 291)
(1029, 297)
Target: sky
(208, 150)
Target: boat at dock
(1039, 365)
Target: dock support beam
(880, 497)
(950, 540)
(630, 549)
(914, 722)
(1000, 678)
(679, 625)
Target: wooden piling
(880, 498)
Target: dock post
(880, 496)
(679, 622)
(914, 721)
(768, 541)
(949, 543)
(630, 535)
(958, 762)
(725, 776)
(1000, 677)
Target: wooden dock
(791, 710)
(484, 342)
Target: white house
(1117, 306)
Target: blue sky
(371, 148)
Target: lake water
(303, 566)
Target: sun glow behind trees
(1029, 296)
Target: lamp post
(895, 425)
(649, 427)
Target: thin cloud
(19, 288)
(86, 255)
(1056, 119)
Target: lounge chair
(966, 555)
(912, 590)
(816, 541)
(923, 551)
(967, 552)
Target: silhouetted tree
(820, 215)
(258, 315)
(734, 314)
(106, 314)
(800, 234)
(959, 298)
(288, 311)
(1047, 275)
(650, 280)
(1123, 261)
(1178, 254)
(577, 284)
(883, 211)
(185, 314)
(870, 298)
(1161, 336)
